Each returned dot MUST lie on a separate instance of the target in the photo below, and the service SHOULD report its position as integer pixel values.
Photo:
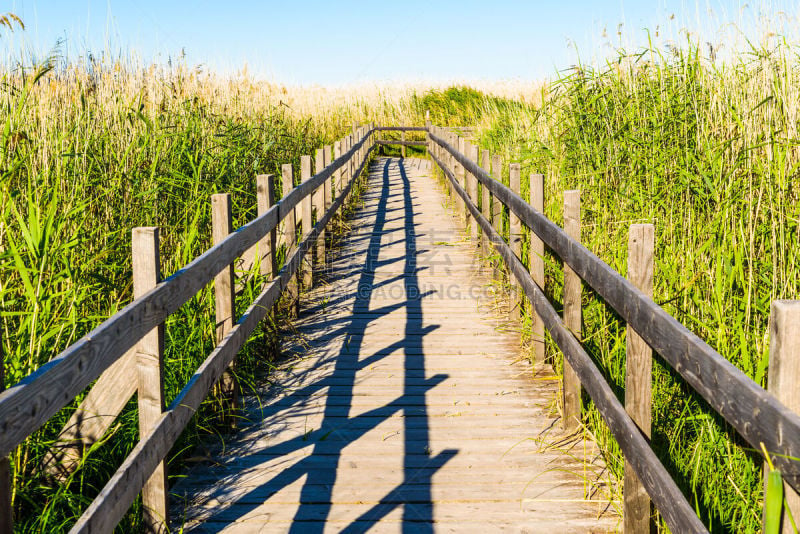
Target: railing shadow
(338, 428)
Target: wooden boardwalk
(404, 404)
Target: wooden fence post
(638, 375)
(472, 189)
(486, 201)
(337, 176)
(224, 297)
(6, 512)
(319, 204)
(265, 199)
(458, 170)
(572, 313)
(403, 147)
(537, 267)
(515, 241)
(497, 210)
(150, 362)
(327, 189)
(308, 265)
(783, 374)
(289, 239)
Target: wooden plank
(537, 266)
(638, 375)
(57, 382)
(669, 500)
(571, 399)
(224, 302)
(265, 199)
(515, 242)
(399, 128)
(782, 380)
(334, 410)
(726, 388)
(92, 419)
(117, 495)
(399, 142)
(150, 363)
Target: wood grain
(265, 199)
(150, 362)
(515, 242)
(638, 374)
(537, 266)
(224, 301)
(783, 377)
(573, 289)
(395, 427)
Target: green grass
(709, 156)
(84, 158)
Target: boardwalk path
(407, 408)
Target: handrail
(666, 495)
(27, 405)
(755, 413)
(120, 491)
(400, 128)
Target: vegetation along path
(403, 405)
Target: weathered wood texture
(290, 239)
(752, 411)
(783, 377)
(536, 257)
(25, 406)
(150, 362)
(573, 289)
(638, 374)
(265, 199)
(515, 242)
(319, 204)
(224, 295)
(403, 407)
(307, 204)
(120, 491)
(677, 512)
(400, 142)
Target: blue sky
(339, 42)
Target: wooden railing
(761, 417)
(136, 332)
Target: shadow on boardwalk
(405, 406)
(338, 429)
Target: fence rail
(758, 415)
(28, 404)
(754, 412)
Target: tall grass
(88, 152)
(709, 154)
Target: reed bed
(709, 154)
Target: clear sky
(339, 42)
